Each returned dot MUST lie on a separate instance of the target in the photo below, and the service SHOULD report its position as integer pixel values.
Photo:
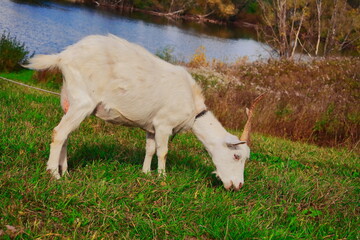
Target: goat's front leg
(150, 150)
(162, 138)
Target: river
(50, 27)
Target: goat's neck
(209, 131)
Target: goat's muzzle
(231, 186)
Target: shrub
(167, 54)
(199, 58)
(52, 77)
(12, 53)
(315, 101)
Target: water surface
(50, 27)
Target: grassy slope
(292, 190)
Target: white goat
(123, 83)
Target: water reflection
(48, 27)
(30, 2)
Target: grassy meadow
(292, 190)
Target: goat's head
(230, 162)
(232, 155)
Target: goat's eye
(236, 157)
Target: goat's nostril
(229, 185)
(237, 188)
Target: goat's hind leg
(70, 121)
(63, 166)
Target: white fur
(222, 146)
(123, 83)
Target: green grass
(292, 190)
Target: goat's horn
(245, 136)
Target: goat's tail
(42, 62)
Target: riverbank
(237, 17)
(316, 41)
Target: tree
(314, 27)
(283, 22)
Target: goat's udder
(65, 105)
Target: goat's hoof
(146, 171)
(162, 173)
(54, 173)
(65, 174)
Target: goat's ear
(232, 141)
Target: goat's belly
(114, 116)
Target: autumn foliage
(315, 101)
